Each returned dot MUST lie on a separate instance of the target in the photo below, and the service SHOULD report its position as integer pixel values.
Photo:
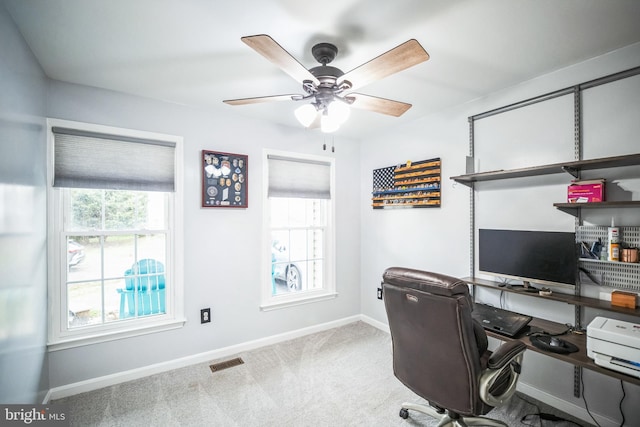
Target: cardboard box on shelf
(586, 191)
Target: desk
(578, 358)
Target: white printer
(614, 344)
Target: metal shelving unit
(625, 279)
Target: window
(299, 216)
(115, 217)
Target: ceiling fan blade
(397, 59)
(270, 49)
(379, 105)
(245, 101)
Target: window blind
(302, 178)
(84, 159)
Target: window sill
(104, 336)
(276, 303)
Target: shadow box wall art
(409, 185)
(224, 180)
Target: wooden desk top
(578, 358)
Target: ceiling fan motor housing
(326, 74)
(327, 90)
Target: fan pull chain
(324, 144)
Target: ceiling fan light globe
(306, 114)
(328, 123)
(339, 111)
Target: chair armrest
(505, 353)
(503, 368)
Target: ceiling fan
(328, 88)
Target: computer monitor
(541, 257)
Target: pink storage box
(586, 191)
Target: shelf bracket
(571, 211)
(571, 171)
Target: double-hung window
(299, 237)
(115, 233)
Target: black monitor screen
(546, 257)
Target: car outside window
(297, 244)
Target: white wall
(23, 297)
(222, 246)
(438, 239)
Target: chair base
(445, 419)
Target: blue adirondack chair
(144, 291)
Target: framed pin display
(224, 180)
(408, 185)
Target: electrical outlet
(379, 293)
(205, 315)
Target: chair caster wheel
(404, 413)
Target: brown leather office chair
(440, 352)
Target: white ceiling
(189, 52)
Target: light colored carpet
(340, 377)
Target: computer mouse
(556, 342)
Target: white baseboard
(133, 374)
(565, 406)
(376, 324)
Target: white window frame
(59, 335)
(328, 291)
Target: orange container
(623, 299)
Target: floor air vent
(226, 364)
